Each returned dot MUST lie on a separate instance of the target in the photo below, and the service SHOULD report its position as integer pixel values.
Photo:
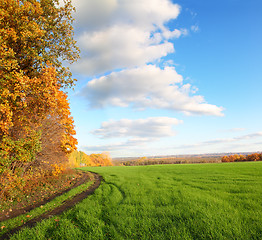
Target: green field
(197, 201)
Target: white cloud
(134, 143)
(153, 128)
(147, 87)
(141, 147)
(100, 14)
(119, 47)
(140, 133)
(115, 34)
(192, 13)
(195, 28)
(91, 15)
(235, 130)
(251, 136)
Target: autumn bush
(20, 192)
(14, 187)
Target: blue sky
(160, 77)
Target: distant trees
(189, 159)
(167, 160)
(36, 126)
(241, 158)
(80, 159)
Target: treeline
(188, 160)
(169, 160)
(36, 126)
(80, 159)
(242, 158)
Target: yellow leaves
(81, 159)
(33, 40)
(57, 169)
(5, 111)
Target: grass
(198, 201)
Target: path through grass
(201, 201)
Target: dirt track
(66, 205)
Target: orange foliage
(241, 158)
(36, 127)
(254, 157)
(30, 184)
(78, 159)
(39, 111)
(102, 159)
(35, 33)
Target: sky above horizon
(162, 77)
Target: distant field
(198, 201)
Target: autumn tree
(36, 38)
(241, 158)
(79, 158)
(35, 33)
(57, 133)
(253, 157)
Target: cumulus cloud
(147, 87)
(119, 47)
(153, 128)
(97, 15)
(114, 34)
(139, 133)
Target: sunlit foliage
(80, 159)
(36, 127)
(242, 158)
